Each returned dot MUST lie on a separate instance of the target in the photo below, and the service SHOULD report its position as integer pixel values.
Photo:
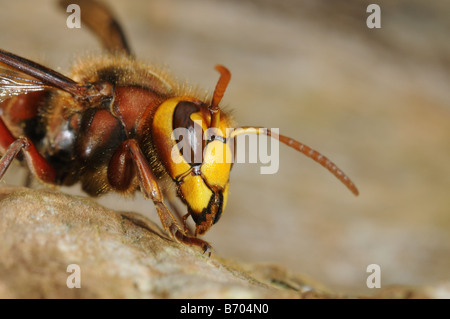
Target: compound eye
(189, 137)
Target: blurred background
(375, 101)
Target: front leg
(120, 175)
(181, 216)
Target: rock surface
(120, 255)
(124, 255)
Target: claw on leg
(191, 241)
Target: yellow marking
(196, 193)
(199, 118)
(217, 163)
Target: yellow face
(200, 158)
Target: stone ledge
(124, 255)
